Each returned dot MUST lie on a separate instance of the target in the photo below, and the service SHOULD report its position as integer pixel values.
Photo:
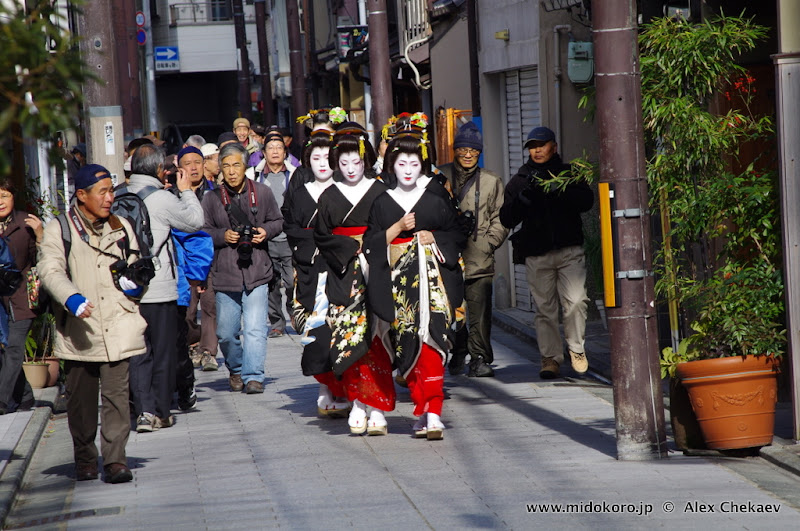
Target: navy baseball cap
(540, 134)
(90, 175)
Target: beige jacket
(115, 330)
(490, 234)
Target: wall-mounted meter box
(580, 62)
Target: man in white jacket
(153, 373)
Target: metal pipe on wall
(557, 77)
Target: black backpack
(130, 205)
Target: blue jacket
(194, 254)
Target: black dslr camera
(245, 245)
(141, 272)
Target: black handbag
(10, 280)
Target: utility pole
(638, 399)
(243, 77)
(104, 135)
(151, 118)
(380, 73)
(299, 104)
(263, 62)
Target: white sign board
(166, 58)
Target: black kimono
(398, 274)
(346, 284)
(299, 217)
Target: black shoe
(27, 405)
(3, 408)
(457, 364)
(185, 403)
(479, 369)
(117, 473)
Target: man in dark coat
(550, 244)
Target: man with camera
(275, 171)
(153, 373)
(90, 265)
(480, 195)
(241, 215)
(550, 244)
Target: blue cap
(79, 148)
(540, 134)
(89, 175)
(187, 150)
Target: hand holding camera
(131, 279)
(245, 245)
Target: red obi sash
(349, 231)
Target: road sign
(140, 19)
(167, 58)
(141, 36)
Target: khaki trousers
(559, 276)
(84, 380)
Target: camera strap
(233, 209)
(476, 178)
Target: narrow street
(516, 450)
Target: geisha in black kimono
(357, 358)
(416, 283)
(310, 301)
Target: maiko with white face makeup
(320, 165)
(352, 167)
(407, 168)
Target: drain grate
(104, 511)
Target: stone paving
(511, 443)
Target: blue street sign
(166, 58)
(141, 36)
(166, 53)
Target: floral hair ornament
(337, 115)
(414, 125)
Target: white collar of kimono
(355, 193)
(315, 188)
(407, 200)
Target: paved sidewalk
(267, 461)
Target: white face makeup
(407, 168)
(318, 160)
(352, 167)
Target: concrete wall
(520, 18)
(450, 69)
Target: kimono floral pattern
(349, 325)
(406, 290)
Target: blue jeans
(244, 313)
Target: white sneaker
(377, 424)
(435, 431)
(357, 419)
(421, 427)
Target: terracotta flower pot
(733, 398)
(36, 374)
(53, 366)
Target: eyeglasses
(235, 165)
(274, 148)
(6, 196)
(467, 152)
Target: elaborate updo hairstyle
(320, 138)
(409, 136)
(351, 137)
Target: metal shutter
(523, 114)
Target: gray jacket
(167, 212)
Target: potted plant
(719, 256)
(41, 369)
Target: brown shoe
(195, 355)
(86, 472)
(208, 361)
(549, 369)
(117, 473)
(236, 383)
(254, 387)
